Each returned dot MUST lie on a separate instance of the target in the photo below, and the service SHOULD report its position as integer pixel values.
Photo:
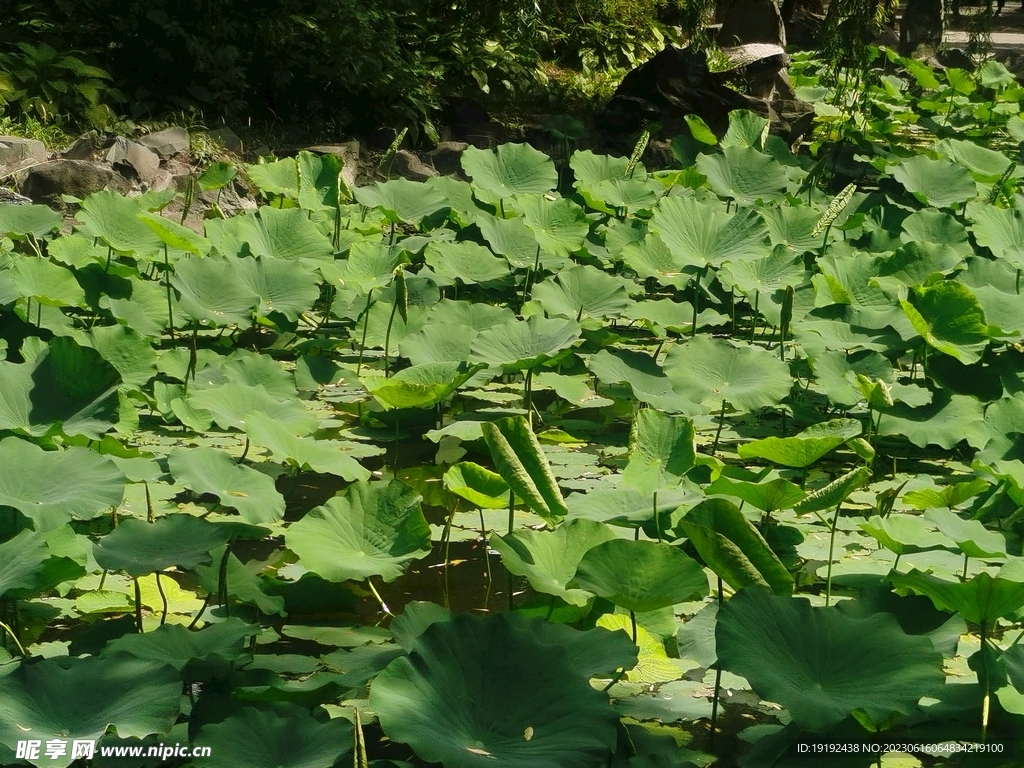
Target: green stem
(718, 683)
(138, 606)
(964, 578)
(14, 637)
(511, 525)
(753, 317)
(718, 432)
(380, 600)
(387, 337)
(657, 519)
(632, 621)
(831, 550)
(366, 327)
(163, 599)
(167, 280)
(987, 698)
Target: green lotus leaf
(511, 169)
(653, 666)
(701, 233)
(793, 226)
(645, 377)
(439, 342)
(803, 449)
(582, 291)
(833, 494)
(174, 235)
(946, 421)
(548, 559)
(477, 485)
(981, 600)
(230, 404)
(332, 457)
(29, 566)
(560, 226)
(419, 386)
(905, 534)
(271, 735)
(951, 495)
(650, 257)
(939, 183)
(477, 691)
(950, 319)
(522, 464)
(280, 177)
(371, 266)
(768, 497)
(271, 233)
(932, 226)
(184, 649)
(208, 470)
(242, 584)
(402, 200)
(524, 344)
(590, 169)
(114, 220)
(625, 506)
(216, 176)
(80, 698)
(466, 262)
(640, 575)
(575, 390)
(517, 242)
(971, 536)
(374, 529)
(139, 548)
(40, 280)
(712, 371)
(821, 664)
(733, 548)
(661, 451)
(781, 269)
(52, 488)
(746, 129)
(279, 286)
(985, 165)
(36, 220)
(1001, 231)
(744, 174)
(212, 291)
(76, 251)
(321, 185)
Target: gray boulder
(408, 165)
(751, 21)
(78, 178)
(17, 154)
(227, 139)
(446, 157)
(133, 161)
(168, 142)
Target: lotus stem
(657, 519)
(359, 759)
(138, 605)
(986, 700)
(167, 281)
(753, 317)
(366, 327)
(632, 621)
(387, 337)
(487, 556)
(964, 577)
(831, 549)
(718, 682)
(376, 594)
(163, 599)
(10, 632)
(202, 610)
(222, 580)
(718, 432)
(511, 526)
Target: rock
(677, 82)
(803, 24)
(483, 135)
(409, 166)
(85, 147)
(750, 21)
(446, 157)
(78, 178)
(168, 142)
(17, 154)
(227, 139)
(133, 161)
(921, 27)
(10, 197)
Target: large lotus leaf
(836, 373)
(950, 319)
(114, 219)
(371, 266)
(524, 344)
(640, 575)
(374, 529)
(229, 406)
(174, 235)
(475, 317)
(793, 226)
(438, 343)
(1001, 231)
(28, 566)
(744, 174)
(768, 497)
(477, 485)
(279, 286)
(650, 257)
(53, 487)
(178, 647)
(208, 470)
(624, 506)
(139, 548)
(76, 251)
(35, 220)
(281, 233)
(465, 261)
(333, 457)
(709, 371)
(932, 226)
(733, 548)
(582, 291)
(746, 129)
(701, 233)
(40, 280)
(661, 451)
(803, 449)
(80, 698)
(946, 421)
(511, 169)
(971, 536)
(982, 600)
(645, 377)
(915, 263)
(782, 268)
(243, 585)
(274, 735)
(821, 664)
(548, 559)
(939, 183)
(905, 534)
(653, 665)
(402, 200)
(517, 242)
(590, 169)
(419, 386)
(986, 165)
(277, 178)
(213, 292)
(560, 226)
(129, 353)
(491, 690)
(949, 495)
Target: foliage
(670, 435)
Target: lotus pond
(570, 465)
